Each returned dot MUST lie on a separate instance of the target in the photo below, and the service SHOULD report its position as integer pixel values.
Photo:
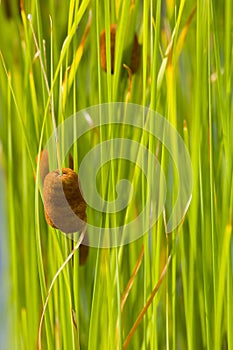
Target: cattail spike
(63, 201)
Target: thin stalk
(50, 93)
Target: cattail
(103, 60)
(80, 210)
(63, 201)
(135, 53)
(44, 171)
(83, 253)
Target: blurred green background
(185, 74)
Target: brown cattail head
(103, 60)
(135, 55)
(83, 253)
(44, 170)
(134, 62)
(63, 202)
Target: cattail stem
(52, 284)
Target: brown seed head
(83, 253)
(103, 60)
(63, 201)
(135, 53)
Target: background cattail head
(63, 202)
(135, 55)
(103, 60)
(83, 253)
(131, 59)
